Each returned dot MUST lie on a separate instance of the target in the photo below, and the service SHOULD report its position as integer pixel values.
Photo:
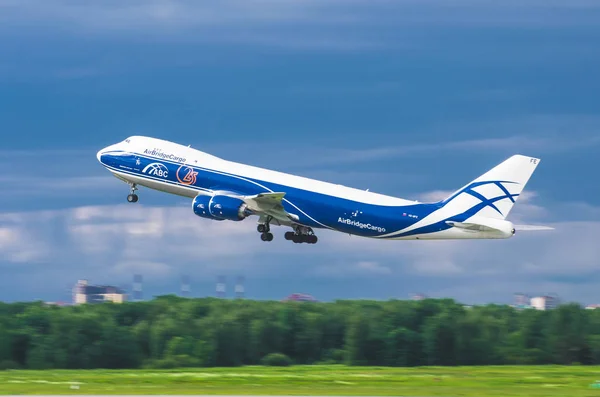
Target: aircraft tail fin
(494, 193)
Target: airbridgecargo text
(159, 153)
(361, 225)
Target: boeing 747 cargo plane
(224, 190)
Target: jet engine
(220, 207)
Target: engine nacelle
(220, 207)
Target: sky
(410, 98)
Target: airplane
(225, 190)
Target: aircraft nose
(99, 155)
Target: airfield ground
(311, 381)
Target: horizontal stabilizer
(531, 228)
(474, 227)
(497, 227)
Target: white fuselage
(184, 171)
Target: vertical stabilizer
(494, 193)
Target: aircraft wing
(269, 204)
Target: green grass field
(313, 380)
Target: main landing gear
(265, 230)
(302, 234)
(132, 197)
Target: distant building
(418, 297)
(521, 300)
(544, 302)
(591, 307)
(300, 298)
(86, 293)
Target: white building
(544, 302)
(85, 293)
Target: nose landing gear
(132, 197)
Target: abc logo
(156, 169)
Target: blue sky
(407, 98)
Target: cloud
(349, 269)
(80, 171)
(434, 196)
(333, 24)
(111, 243)
(537, 135)
(330, 156)
(185, 13)
(563, 261)
(526, 210)
(124, 269)
(234, 21)
(581, 210)
(104, 241)
(373, 267)
(7, 237)
(21, 185)
(436, 266)
(18, 246)
(540, 135)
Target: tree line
(170, 331)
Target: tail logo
(485, 201)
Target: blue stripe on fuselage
(314, 209)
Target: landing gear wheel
(302, 234)
(266, 236)
(265, 227)
(132, 198)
